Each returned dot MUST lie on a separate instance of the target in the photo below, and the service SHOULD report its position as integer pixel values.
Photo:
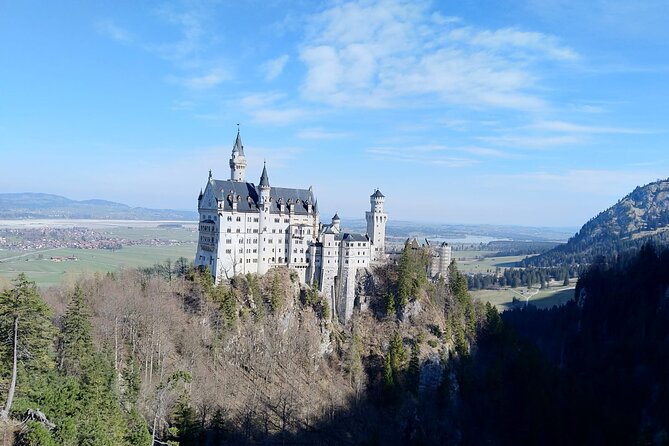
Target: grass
(486, 265)
(546, 298)
(46, 272)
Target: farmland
(142, 244)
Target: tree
(76, 347)
(391, 311)
(25, 322)
(414, 367)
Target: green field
(48, 273)
(547, 298)
(475, 262)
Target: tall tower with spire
(263, 221)
(238, 160)
(376, 225)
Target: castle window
(286, 220)
(238, 230)
(239, 218)
(229, 218)
(229, 229)
(228, 251)
(273, 231)
(276, 220)
(228, 241)
(280, 231)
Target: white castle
(246, 228)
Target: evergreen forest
(163, 356)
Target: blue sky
(517, 112)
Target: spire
(264, 179)
(336, 217)
(238, 148)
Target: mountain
(37, 205)
(641, 216)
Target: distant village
(78, 238)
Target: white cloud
(271, 108)
(319, 133)
(110, 29)
(210, 79)
(569, 127)
(376, 53)
(274, 67)
(533, 141)
(613, 183)
(425, 154)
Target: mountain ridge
(639, 217)
(34, 205)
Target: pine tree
(76, 346)
(391, 311)
(25, 323)
(414, 367)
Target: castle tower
(263, 221)
(238, 160)
(376, 225)
(336, 221)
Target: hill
(38, 205)
(641, 216)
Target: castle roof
(264, 179)
(247, 196)
(378, 194)
(350, 237)
(238, 147)
(336, 217)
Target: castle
(248, 228)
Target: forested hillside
(162, 353)
(641, 216)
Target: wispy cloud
(615, 183)
(320, 133)
(210, 79)
(375, 53)
(274, 67)
(532, 141)
(113, 31)
(425, 154)
(272, 108)
(570, 127)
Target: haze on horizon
(530, 112)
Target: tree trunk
(4, 414)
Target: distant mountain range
(641, 216)
(48, 206)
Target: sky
(523, 112)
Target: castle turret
(336, 222)
(238, 160)
(263, 220)
(376, 225)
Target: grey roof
(336, 217)
(248, 194)
(378, 194)
(349, 237)
(264, 179)
(238, 147)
